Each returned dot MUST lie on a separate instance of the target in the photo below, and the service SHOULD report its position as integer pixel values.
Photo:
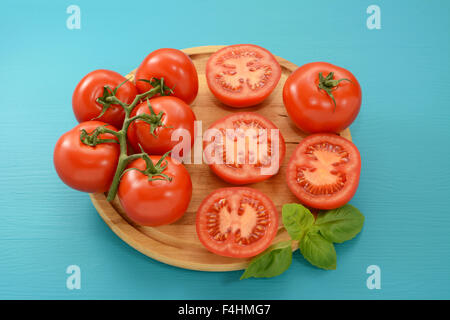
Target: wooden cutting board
(177, 244)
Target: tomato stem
(153, 119)
(92, 139)
(124, 159)
(328, 84)
(107, 93)
(153, 171)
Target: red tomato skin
(311, 108)
(155, 203)
(90, 88)
(177, 115)
(239, 177)
(232, 100)
(230, 250)
(353, 170)
(82, 167)
(175, 67)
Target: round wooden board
(177, 244)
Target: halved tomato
(242, 75)
(237, 222)
(244, 147)
(324, 170)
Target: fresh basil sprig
(315, 239)
(273, 262)
(318, 251)
(297, 220)
(341, 224)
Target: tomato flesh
(242, 75)
(324, 171)
(237, 222)
(262, 156)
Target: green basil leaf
(340, 224)
(318, 251)
(296, 219)
(271, 263)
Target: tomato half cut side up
(324, 171)
(249, 148)
(242, 75)
(237, 222)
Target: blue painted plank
(402, 132)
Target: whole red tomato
(157, 202)
(309, 100)
(92, 87)
(176, 115)
(175, 67)
(82, 167)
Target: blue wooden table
(402, 132)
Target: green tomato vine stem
(153, 171)
(328, 84)
(121, 135)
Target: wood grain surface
(177, 244)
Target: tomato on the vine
(83, 167)
(237, 222)
(175, 67)
(324, 171)
(157, 201)
(263, 142)
(321, 97)
(242, 75)
(88, 99)
(170, 114)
